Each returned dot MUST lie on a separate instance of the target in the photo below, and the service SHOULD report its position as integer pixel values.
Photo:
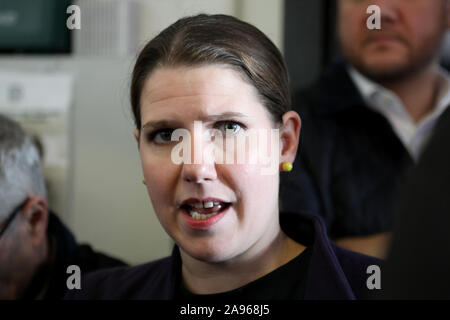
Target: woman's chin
(209, 253)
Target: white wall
(108, 206)
(267, 15)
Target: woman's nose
(201, 168)
(199, 173)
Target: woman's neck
(208, 278)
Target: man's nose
(388, 10)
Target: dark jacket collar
(341, 92)
(326, 279)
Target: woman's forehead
(178, 82)
(206, 89)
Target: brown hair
(217, 39)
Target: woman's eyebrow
(224, 116)
(174, 123)
(161, 124)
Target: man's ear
(35, 214)
(136, 133)
(290, 136)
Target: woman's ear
(136, 136)
(290, 136)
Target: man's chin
(384, 70)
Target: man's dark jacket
(419, 259)
(349, 162)
(50, 282)
(333, 272)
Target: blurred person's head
(409, 41)
(23, 210)
(229, 75)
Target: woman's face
(244, 213)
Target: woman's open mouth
(203, 214)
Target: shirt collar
(413, 135)
(365, 86)
(377, 97)
(384, 100)
(444, 93)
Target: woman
(223, 217)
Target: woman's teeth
(208, 204)
(199, 216)
(204, 210)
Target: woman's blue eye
(161, 136)
(230, 127)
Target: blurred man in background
(366, 121)
(35, 247)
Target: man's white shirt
(413, 136)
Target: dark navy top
(288, 282)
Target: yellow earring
(143, 181)
(287, 166)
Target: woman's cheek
(156, 174)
